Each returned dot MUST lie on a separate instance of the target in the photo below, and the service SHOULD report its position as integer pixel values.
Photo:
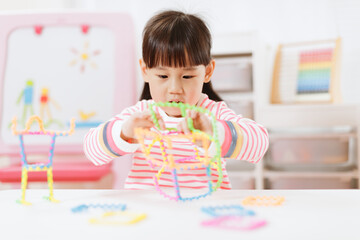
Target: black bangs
(183, 41)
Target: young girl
(176, 67)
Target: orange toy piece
(263, 201)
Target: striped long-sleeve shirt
(240, 138)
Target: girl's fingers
(194, 114)
(206, 124)
(147, 116)
(160, 121)
(162, 124)
(184, 127)
(143, 123)
(191, 113)
(179, 127)
(200, 121)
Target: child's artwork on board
(63, 71)
(60, 71)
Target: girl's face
(176, 84)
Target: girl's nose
(175, 86)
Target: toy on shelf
(27, 167)
(148, 139)
(307, 72)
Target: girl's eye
(162, 76)
(187, 77)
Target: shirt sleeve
(242, 138)
(103, 143)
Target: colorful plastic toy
(108, 207)
(26, 167)
(118, 218)
(165, 138)
(235, 222)
(263, 201)
(114, 214)
(227, 210)
(234, 217)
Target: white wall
(276, 21)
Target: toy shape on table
(27, 167)
(235, 222)
(169, 163)
(234, 217)
(115, 214)
(263, 201)
(118, 218)
(228, 210)
(108, 207)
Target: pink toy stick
(235, 222)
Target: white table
(305, 214)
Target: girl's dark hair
(176, 39)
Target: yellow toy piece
(118, 218)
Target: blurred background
(259, 46)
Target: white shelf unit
(282, 116)
(232, 80)
(314, 116)
(244, 55)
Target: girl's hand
(200, 122)
(139, 120)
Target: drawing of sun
(84, 57)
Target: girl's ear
(143, 69)
(209, 70)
